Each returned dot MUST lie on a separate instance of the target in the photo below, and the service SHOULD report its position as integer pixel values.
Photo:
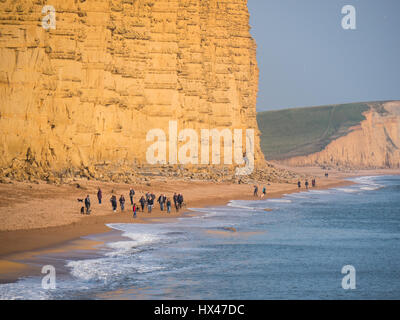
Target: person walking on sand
(168, 205)
(131, 194)
(180, 200)
(150, 203)
(299, 184)
(87, 204)
(142, 203)
(99, 195)
(122, 202)
(264, 192)
(306, 184)
(255, 191)
(134, 210)
(113, 201)
(161, 202)
(313, 183)
(176, 202)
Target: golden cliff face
(89, 91)
(375, 143)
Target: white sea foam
(236, 205)
(368, 183)
(280, 200)
(124, 258)
(297, 195)
(347, 190)
(108, 269)
(370, 188)
(320, 191)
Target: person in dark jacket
(113, 201)
(150, 203)
(255, 191)
(87, 204)
(161, 200)
(122, 202)
(131, 194)
(142, 202)
(176, 202)
(180, 200)
(99, 195)
(169, 205)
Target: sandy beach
(37, 219)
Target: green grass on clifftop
(302, 131)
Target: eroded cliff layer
(89, 90)
(374, 143)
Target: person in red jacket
(134, 210)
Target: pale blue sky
(306, 58)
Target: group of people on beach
(263, 194)
(306, 184)
(264, 190)
(145, 200)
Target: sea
(339, 243)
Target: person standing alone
(87, 204)
(99, 195)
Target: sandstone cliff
(88, 91)
(374, 143)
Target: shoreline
(18, 248)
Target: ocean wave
(107, 270)
(365, 179)
(368, 183)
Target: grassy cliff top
(302, 131)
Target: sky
(306, 58)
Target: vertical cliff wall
(89, 90)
